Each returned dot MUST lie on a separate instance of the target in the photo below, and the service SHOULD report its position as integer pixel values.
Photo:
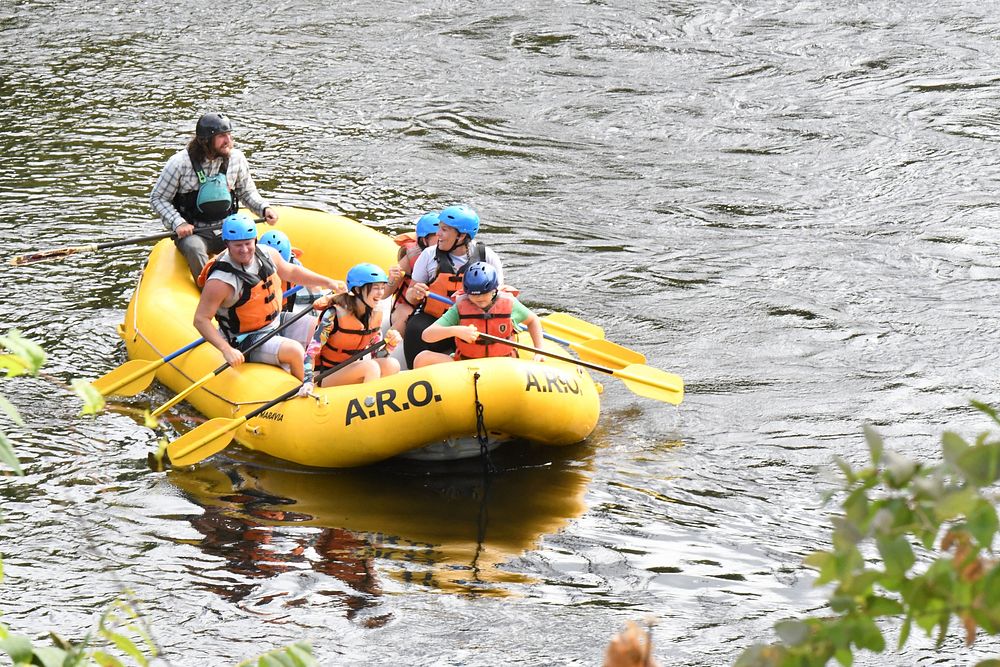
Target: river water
(789, 204)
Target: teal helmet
(480, 278)
(279, 241)
(427, 224)
(365, 274)
(462, 218)
(238, 227)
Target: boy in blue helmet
(241, 289)
(482, 308)
(200, 185)
(439, 270)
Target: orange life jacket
(410, 249)
(258, 302)
(347, 335)
(496, 322)
(448, 280)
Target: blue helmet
(427, 224)
(238, 227)
(279, 241)
(365, 274)
(480, 278)
(462, 218)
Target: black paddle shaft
(271, 334)
(578, 362)
(291, 392)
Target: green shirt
(451, 318)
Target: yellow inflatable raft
(553, 403)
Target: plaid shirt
(178, 176)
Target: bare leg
(387, 366)
(354, 373)
(291, 353)
(428, 358)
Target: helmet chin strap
(456, 244)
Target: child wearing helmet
(302, 329)
(439, 270)
(241, 288)
(354, 322)
(411, 245)
(483, 308)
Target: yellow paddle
(643, 380)
(263, 339)
(597, 350)
(134, 376)
(572, 328)
(214, 435)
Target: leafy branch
(121, 624)
(932, 527)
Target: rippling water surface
(789, 204)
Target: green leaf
(844, 656)
(980, 464)
(18, 647)
(12, 365)
(904, 631)
(882, 606)
(7, 407)
(50, 656)
(106, 659)
(792, 633)
(31, 354)
(125, 645)
(93, 401)
(299, 654)
(982, 522)
(956, 503)
(845, 468)
(991, 586)
(867, 635)
(952, 447)
(8, 456)
(875, 445)
(986, 409)
(990, 662)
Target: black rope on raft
(481, 435)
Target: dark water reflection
(791, 205)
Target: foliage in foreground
(903, 511)
(121, 624)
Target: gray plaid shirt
(178, 176)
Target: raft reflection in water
(447, 527)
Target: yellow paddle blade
(571, 328)
(181, 396)
(606, 353)
(652, 383)
(128, 379)
(198, 444)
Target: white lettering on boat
(418, 394)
